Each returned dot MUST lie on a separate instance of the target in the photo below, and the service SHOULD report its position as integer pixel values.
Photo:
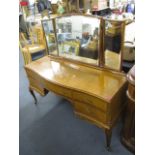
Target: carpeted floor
(51, 128)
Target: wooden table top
(103, 84)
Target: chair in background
(35, 47)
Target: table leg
(32, 93)
(108, 133)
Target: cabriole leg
(32, 93)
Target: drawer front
(31, 75)
(59, 90)
(48, 85)
(37, 86)
(98, 103)
(90, 111)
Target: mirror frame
(52, 21)
(100, 45)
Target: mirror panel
(78, 38)
(113, 43)
(50, 36)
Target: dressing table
(96, 90)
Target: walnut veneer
(96, 94)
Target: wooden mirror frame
(52, 21)
(100, 45)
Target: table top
(101, 83)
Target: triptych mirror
(49, 33)
(86, 39)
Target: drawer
(90, 112)
(95, 102)
(37, 86)
(59, 90)
(30, 74)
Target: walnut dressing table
(97, 95)
(78, 68)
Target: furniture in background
(73, 6)
(97, 5)
(103, 12)
(128, 133)
(54, 8)
(35, 47)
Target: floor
(51, 128)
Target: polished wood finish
(128, 134)
(97, 95)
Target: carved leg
(108, 133)
(32, 93)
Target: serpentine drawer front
(60, 90)
(90, 112)
(97, 95)
(91, 100)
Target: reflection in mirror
(113, 41)
(73, 6)
(81, 6)
(87, 5)
(50, 36)
(78, 38)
